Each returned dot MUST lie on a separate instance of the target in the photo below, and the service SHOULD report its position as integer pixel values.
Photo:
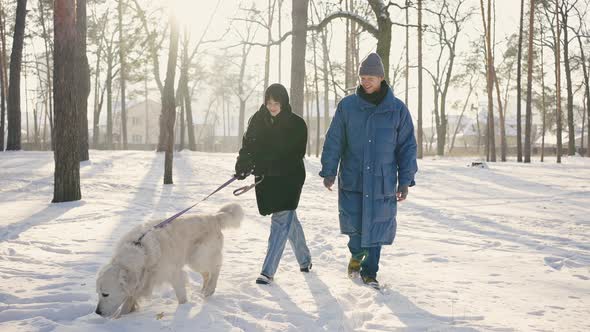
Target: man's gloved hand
(329, 182)
(402, 193)
(244, 167)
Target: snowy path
(499, 249)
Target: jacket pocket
(389, 179)
(350, 182)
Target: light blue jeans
(285, 225)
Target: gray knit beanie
(372, 66)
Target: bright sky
(195, 15)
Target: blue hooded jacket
(375, 147)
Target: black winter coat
(276, 146)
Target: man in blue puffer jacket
(372, 138)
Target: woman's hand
(244, 167)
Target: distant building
(143, 127)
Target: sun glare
(192, 14)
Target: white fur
(135, 270)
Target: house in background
(143, 128)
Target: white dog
(136, 268)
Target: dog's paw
(208, 292)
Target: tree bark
(49, 92)
(543, 104)
(66, 154)
(186, 96)
(109, 84)
(298, 47)
(407, 73)
(529, 93)
(317, 96)
(587, 81)
(188, 108)
(384, 40)
(181, 146)
(3, 78)
(13, 141)
(420, 131)
(97, 103)
(558, 81)
(571, 148)
(501, 112)
(83, 78)
(491, 137)
(169, 102)
(519, 87)
(123, 73)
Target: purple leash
(236, 192)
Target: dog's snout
(98, 312)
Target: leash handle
(245, 189)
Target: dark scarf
(374, 98)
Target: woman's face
(274, 107)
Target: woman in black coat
(273, 149)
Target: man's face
(371, 84)
(274, 107)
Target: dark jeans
(369, 257)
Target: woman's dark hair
(278, 93)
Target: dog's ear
(152, 248)
(129, 281)
(131, 256)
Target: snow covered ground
(499, 249)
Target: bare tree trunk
(147, 109)
(123, 73)
(519, 86)
(13, 141)
(407, 73)
(348, 50)
(583, 124)
(571, 148)
(420, 131)
(83, 78)
(529, 113)
(66, 154)
(543, 101)
(181, 146)
(48, 54)
(326, 73)
(3, 81)
(109, 83)
(269, 39)
(490, 132)
(587, 91)
(97, 109)
(299, 19)
(189, 117)
(26, 101)
(529, 93)
(279, 64)
(501, 111)
(186, 98)
(169, 102)
(307, 112)
(384, 26)
(317, 95)
(558, 81)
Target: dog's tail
(230, 216)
